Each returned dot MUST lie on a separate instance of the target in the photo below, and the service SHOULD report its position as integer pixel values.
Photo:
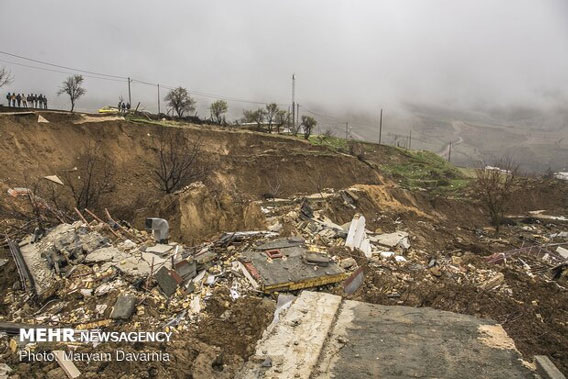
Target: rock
(435, 270)
(124, 307)
(457, 260)
(347, 263)
(276, 227)
(317, 259)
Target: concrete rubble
(95, 275)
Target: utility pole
(294, 102)
(297, 114)
(129, 95)
(159, 98)
(450, 152)
(380, 126)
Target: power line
(60, 66)
(61, 72)
(118, 78)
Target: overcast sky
(347, 55)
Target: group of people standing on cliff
(29, 101)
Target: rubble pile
(104, 275)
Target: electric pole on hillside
(129, 96)
(450, 152)
(294, 102)
(380, 126)
(159, 98)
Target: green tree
(271, 112)
(218, 109)
(255, 116)
(308, 123)
(179, 100)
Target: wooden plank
(68, 366)
(104, 223)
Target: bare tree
(92, 178)
(494, 187)
(282, 118)
(274, 183)
(178, 160)
(179, 100)
(72, 86)
(270, 113)
(255, 116)
(309, 123)
(218, 109)
(5, 77)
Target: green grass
(334, 143)
(425, 170)
(412, 169)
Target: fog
(350, 57)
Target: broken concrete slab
(296, 341)
(282, 243)
(357, 236)
(562, 251)
(290, 271)
(167, 282)
(317, 259)
(392, 240)
(41, 119)
(39, 269)
(54, 179)
(185, 269)
(124, 307)
(546, 369)
(105, 254)
(160, 249)
(376, 341)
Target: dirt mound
(197, 213)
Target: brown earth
(246, 164)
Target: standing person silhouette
(9, 98)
